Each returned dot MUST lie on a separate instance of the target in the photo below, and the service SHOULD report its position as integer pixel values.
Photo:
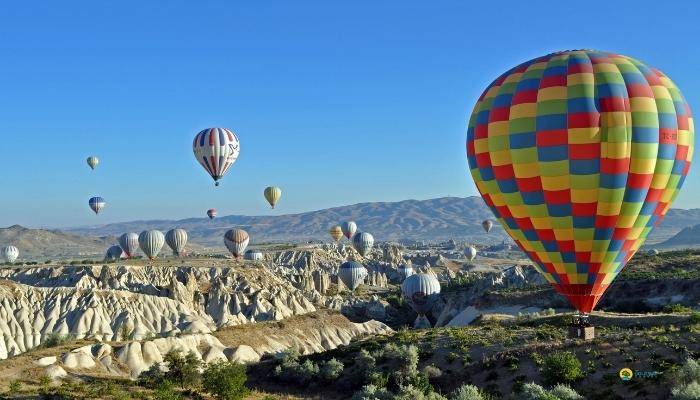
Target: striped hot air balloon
(405, 271)
(579, 154)
(470, 253)
(336, 233)
(151, 242)
(236, 240)
(10, 253)
(254, 255)
(176, 240)
(363, 243)
(352, 274)
(211, 213)
(349, 228)
(97, 204)
(421, 291)
(216, 149)
(92, 162)
(272, 195)
(129, 242)
(114, 253)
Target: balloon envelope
(151, 242)
(487, 225)
(236, 241)
(352, 274)
(363, 242)
(421, 291)
(336, 232)
(211, 213)
(216, 149)
(92, 161)
(97, 204)
(254, 255)
(129, 242)
(405, 271)
(176, 240)
(272, 195)
(579, 154)
(114, 253)
(10, 253)
(349, 228)
(470, 253)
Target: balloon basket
(580, 328)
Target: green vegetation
(225, 380)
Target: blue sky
(337, 103)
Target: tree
(561, 367)
(225, 380)
(183, 371)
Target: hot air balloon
(129, 242)
(92, 161)
(405, 271)
(97, 204)
(653, 252)
(352, 274)
(236, 240)
(10, 253)
(151, 242)
(254, 255)
(216, 149)
(272, 195)
(470, 253)
(363, 242)
(336, 232)
(421, 291)
(176, 240)
(579, 154)
(349, 228)
(487, 225)
(114, 253)
(211, 213)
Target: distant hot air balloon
(272, 195)
(470, 253)
(10, 253)
(129, 242)
(216, 149)
(487, 225)
(236, 240)
(92, 161)
(114, 253)
(421, 291)
(176, 240)
(363, 242)
(211, 213)
(579, 154)
(151, 242)
(352, 274)
(405, 271)
(349, 228)
(336, 232)
(254, 255)
(97, 204)
(653, 252)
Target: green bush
(686, 392)
(371, 392)
(533, 391)
(15, 387)
(694, 318)
(564, 392)
(331, 369)
(677, 308)
(225, 380)
(182, 370)
(561, 367)
(467, 392)
(54, 339)
(166, 391)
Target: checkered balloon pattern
(579, 154)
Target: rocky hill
(41, 243)
(688, 237)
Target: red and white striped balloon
(216, 149)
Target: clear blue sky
(336, 103)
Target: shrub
(331, 369)
(182, 371)
(409, 392)
(166, 391)
(686, 392)
(694, 318)
(14, 387)
(561, 367)
(152, 376)
(371, 392)
(564, 392)
(533, 391)
(431, 371)
(467, 392)
(689, 372)
(54, 339)
(225, 380)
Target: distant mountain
(39, 244)
(434, 219)
(688, 237)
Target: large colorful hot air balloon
(579, 154)
(349, 228)
(211, 213)
(363, 243)
(10, 253)
(92, 162)
(272, 195)
(176, 240)
(151, 242)
(216, 149)
(236, 240)
(129, 242)
(97, 204)
(336, 232)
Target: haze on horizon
(336, 104)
